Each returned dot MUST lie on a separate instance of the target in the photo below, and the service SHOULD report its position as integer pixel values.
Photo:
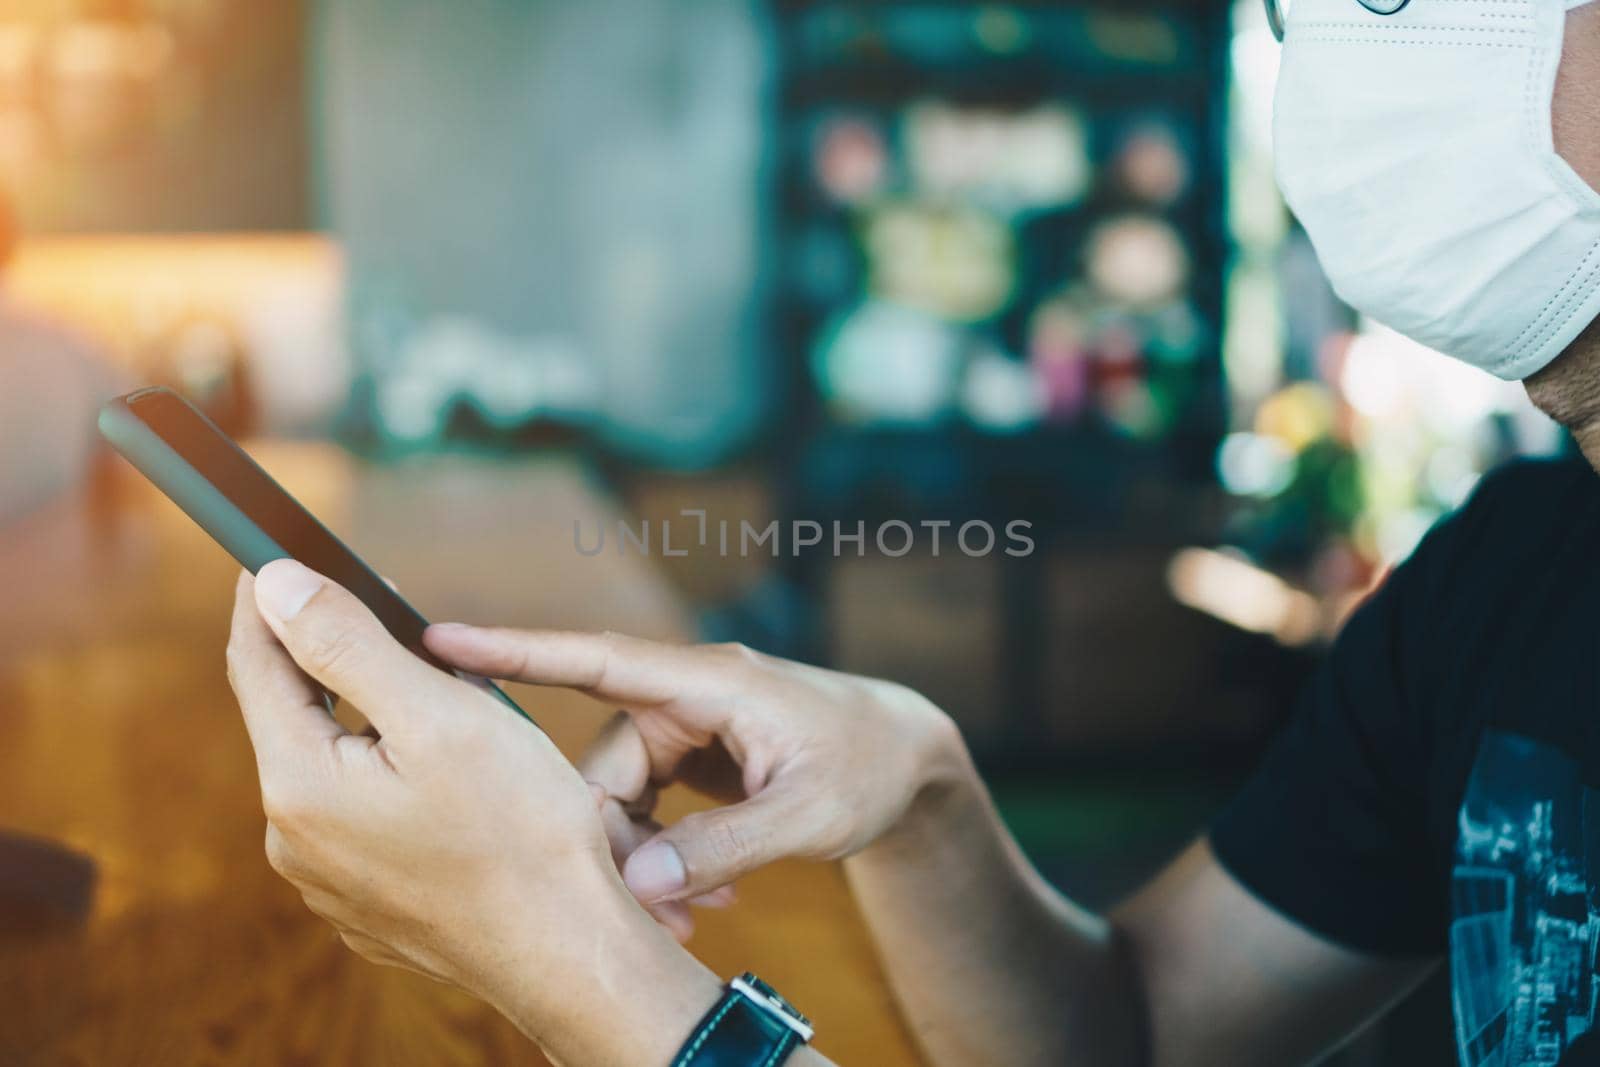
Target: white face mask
(1416, 150)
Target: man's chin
(1568, 390)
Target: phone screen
(280, 516)
(234, 488)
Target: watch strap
(750, 1026)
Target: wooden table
(119, 738)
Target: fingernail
(717, 898)
(284, 586)
(655, 871)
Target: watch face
(1384, 7)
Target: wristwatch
(751, 1026)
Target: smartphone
(220, 487)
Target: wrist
(948, 796)
(623, 991)
(944, 770)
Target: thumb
(336, 639)
(710, 849)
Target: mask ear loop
(1278, 24)
(1275, 19)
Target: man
(1433, 798)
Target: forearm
(634, 1004)
(988, 962)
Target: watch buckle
(776, 1006)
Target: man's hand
(458, 842)
(811, 763)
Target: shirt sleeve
(1334, 830)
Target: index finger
(622, 670)
(283, 709)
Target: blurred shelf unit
(1002, 226)
(1003, 248)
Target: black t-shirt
(1436, 789)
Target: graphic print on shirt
(1525, 915)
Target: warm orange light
(1238, 592)
(108, 50)
(277, 299)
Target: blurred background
(846, 263)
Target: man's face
(1568, 390)
(1427, 176)
(1575, 108)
